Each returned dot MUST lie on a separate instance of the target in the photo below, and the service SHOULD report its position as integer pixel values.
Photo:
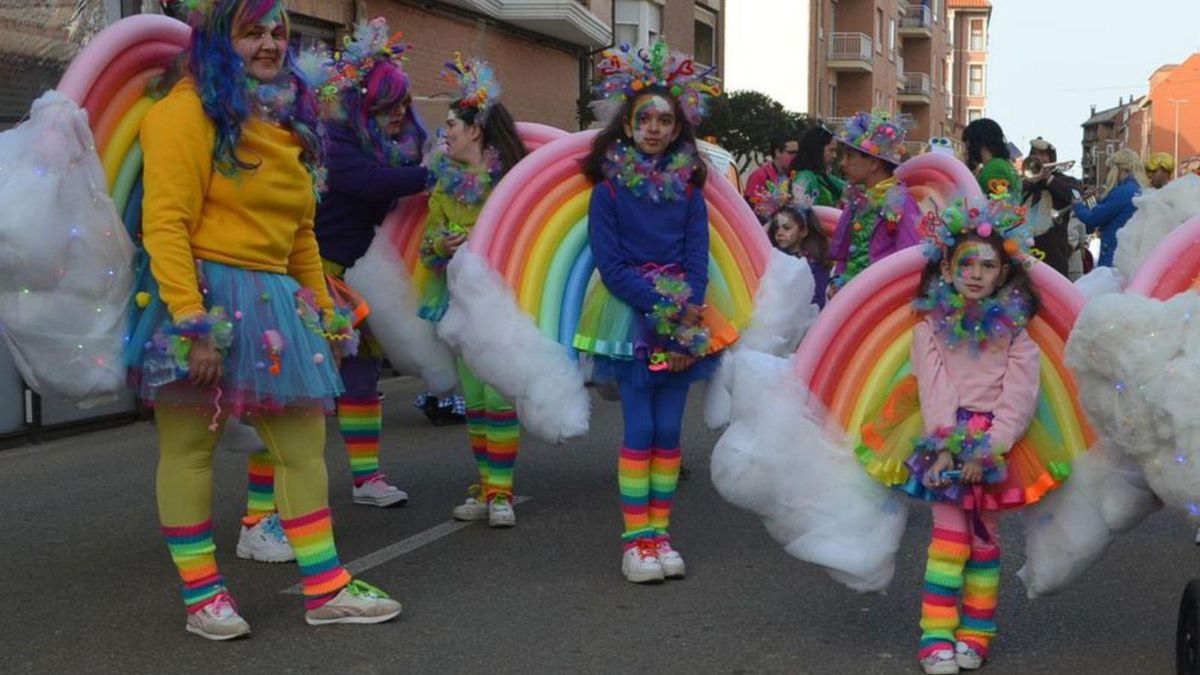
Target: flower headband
(878, 134)
(941, 230)
(781, 193)
(625, 71)
(476, 82)
(347, 69)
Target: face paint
(648, 110)
(969, 253)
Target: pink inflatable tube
(827, 218)
(113, 41)
(1173, 265)
(535, 135)
(139, 58)
(952, 177)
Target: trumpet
(1034, 167)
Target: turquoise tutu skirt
(277, 358)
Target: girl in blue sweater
(646, 324)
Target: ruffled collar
(653, 179)
(468, 185)
(990, 323)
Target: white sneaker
(671, 561)
(359, 602)
(378, 492)
(218, 620)
(265, 542)
(500, 512)
(475, 508)
(940, 662)
(967, 658)
(640, 564)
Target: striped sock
(981, 585)
(260, 495)
(503, 440)
(360, 420)
(321, 573)
(194, 554)
(664, 476)
(477, 437)
(633, 479)
(943, 579)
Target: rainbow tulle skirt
(1035, 465)
(278, 357)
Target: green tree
(746, 122)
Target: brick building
(967, 82)
(882, 55)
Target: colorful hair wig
(384, 86)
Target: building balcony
(916, 88)
(851, 52)
(917, 22)
(564, 20)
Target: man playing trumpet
(1048, 193)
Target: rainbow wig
(221, 80)
(385, 85)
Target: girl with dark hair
(793, 229)
(240, 321)
(975, 383)
(989, 158)
(647, 326)
(818, 150)
(479, 145)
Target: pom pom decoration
(477, 85)
(941, 230)
(625, 71)
(784, 192)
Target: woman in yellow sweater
(240, 322)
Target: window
(308, 32)
(937, 10)
(892, 39)
(832, 100)
(878, 98)
(878, 28)
(974, 114)
(975, 86)
(705, 48)
(639, 22)
(978, 44)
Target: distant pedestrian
(1126, 178)
(813, 167)
(1160, 168)
(784, 148)
(990, 158)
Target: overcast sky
(1049, 60)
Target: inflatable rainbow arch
(1174, 265)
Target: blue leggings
(653, 416)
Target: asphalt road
(88, 587)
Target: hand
(972, 471)
(204, 363)
(451, 243)
(933, 477)
(677, 362)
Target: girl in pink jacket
(971, 397)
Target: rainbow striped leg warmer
(477, 438)
(503, 440)
(321, 573)
(981, 585)
(633, 479)
(194, 554)
(360, 420)
(948, 552)
(664, 477)
(260, 494)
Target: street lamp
(1175, 155)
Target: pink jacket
(1002, 381)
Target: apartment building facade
(967, 82)
(883, 55)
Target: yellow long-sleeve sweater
(258, 219)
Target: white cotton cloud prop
(411, 343)
(783, 312)
(66, 262)
(1071, 527)
(777, 460)
(1100, 281)
(504, 348)
(1158, 212)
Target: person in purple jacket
(880, 216)
(647, 325)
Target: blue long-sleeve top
(1109, 215)
(626, 233)
(361, 190)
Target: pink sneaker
(672, 562)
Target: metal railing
(917, 16)
(850, 47)
(832, 123)
(916, 84)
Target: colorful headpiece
(878, 134)
(199, 13)
(625, 71)
(1160, 160)
(941, 230)
(477, 85)
(781, 193)
(348, 68)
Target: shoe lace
(500, 499)
(222, 606)
(474, 490)
(274, 528)
(361, 589)
(647, 549)
(664, 546)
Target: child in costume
(480, 145)
(953, 432)
(241, 321)
(646, 323)
(989, 157)
(818, 150)
(787, 205)
(880, 216)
